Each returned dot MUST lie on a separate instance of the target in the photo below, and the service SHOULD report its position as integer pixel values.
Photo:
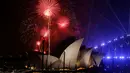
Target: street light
(95, 47)
(103, 44)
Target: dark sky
(12, 14)
(97, 13)
(107, 19)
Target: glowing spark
(38, 43)
(47, 12)
(36, 50)
(44, 32)
(44, 52)
(63, 22)
(28, 31)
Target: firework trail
(28, 31)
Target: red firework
(38, 43)
(48, 7)
(44, 32)
(63, 22)
(36, 50)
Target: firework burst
(63, 22)
(48, 8)
(28, 31)
(35, 27)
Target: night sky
(103, 24)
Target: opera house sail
(69, 57)
(71, 54)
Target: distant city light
(115, 57)
(105, 69)
(109, 41)
(115, 39)
(26, 66)
(121, 45)
(108, 57)
(122, 57)
(95, 47)
(128, 34)
(122, 37)
(103, 44)
(32, 67)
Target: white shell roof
(71, 53)
(51, 59)
(85, 60)
(98, 58)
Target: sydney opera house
(73, 58)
